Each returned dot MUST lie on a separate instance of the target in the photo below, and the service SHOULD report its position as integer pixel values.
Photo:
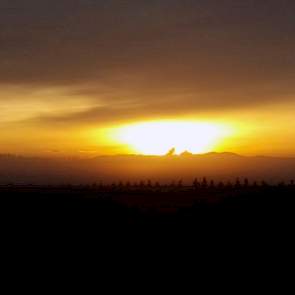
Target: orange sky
(73, 74)
(253, 131)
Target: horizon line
(183, 155)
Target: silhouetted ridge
(186, 154)
(108, 169)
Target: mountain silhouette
(217, 166)
(186, 154)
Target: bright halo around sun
(157, 138)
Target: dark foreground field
(100, 209)
(110, 228)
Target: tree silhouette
(180, 184)
(142, 184)
(238, 183)
(172, 184)
(212, 184)
(149, 183)
(204, 183)
(196, 184)
(246, 182)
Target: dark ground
(115, 227)
(100, 209)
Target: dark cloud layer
(139, 56)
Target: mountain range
(134, 168)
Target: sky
(72, 72)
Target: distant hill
(218, 166)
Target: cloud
(149, 58)
(119, 110)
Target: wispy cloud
(73, 63)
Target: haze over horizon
(85, 78)
(108, 169)
(89, 156)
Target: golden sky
(87, 78)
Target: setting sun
(157, 138)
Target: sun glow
(157, 138)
